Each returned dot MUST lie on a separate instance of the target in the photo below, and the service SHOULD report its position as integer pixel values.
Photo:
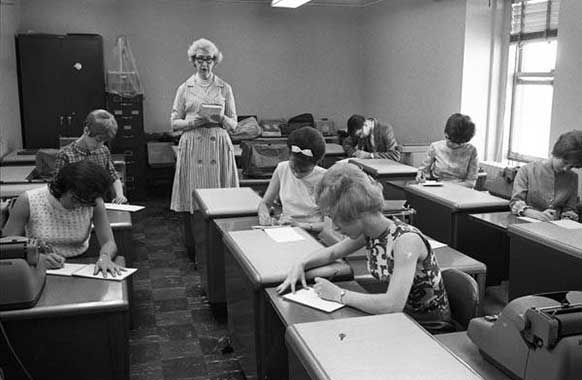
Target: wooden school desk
(441, 212)
(393, 175)
(461, 346)
(79, 329)
(11, 190)
(216, 204)
(254, 261)
(281, 314)
(447, 257)
(17, 174)
(543, 258)
(13, 158)
(489, 242)
(388, 346)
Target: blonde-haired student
(294, 182)
(397, 253)
(454, 158)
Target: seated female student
(397, 253)
(548, 189)
(59, 216)
(454, 158)
(293, 183)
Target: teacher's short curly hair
(345, 192)
(207, 45)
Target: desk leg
(214, 265)
(189, 236)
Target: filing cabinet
(130, 141)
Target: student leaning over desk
(397, 253)
(369, 138)
(293, 183)
(454, 158)
(548, 189)
(100, 126)
(59, 216)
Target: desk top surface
(550, 235)
(383, 167)
(63, 295)
(461, 346)
(266, 262)
(236, 224)
(14, 158)
(364, 347)
(227, 201)
(16, 174)
(291, 312)
(458, 197)
(500, 220)
(11, 190)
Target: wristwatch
(341, 296)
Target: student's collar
(80, 145)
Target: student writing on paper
(454, 158)
(397, 253)
(60, 216)
(100, 126)
(548, 189)
(369, 138)
(294, 181)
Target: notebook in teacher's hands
(211, 111)
(87, 270)
(308, 297)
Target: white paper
(528, 219)
(435, 244)
(569, 224)
(211, 111)
(283, 234)
(432, 183)
(87, 271)
(123, 207)
(308, 297)
(66, 270)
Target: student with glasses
(100, 126)
(60, 216)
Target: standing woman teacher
(206, 156)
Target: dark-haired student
(293, 183)
(369, 138)
(548, 189)
(99, 127)
(59, 216)
(454, 158)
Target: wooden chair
(463, 294)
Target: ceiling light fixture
(288, 3)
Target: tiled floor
(176, 335)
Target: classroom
(340, 189)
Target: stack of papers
(87, 270)
(308, 297)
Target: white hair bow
(305, 152)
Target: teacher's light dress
(206, 155)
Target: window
(530, 78)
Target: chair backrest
(463, 294)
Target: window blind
(534, 19)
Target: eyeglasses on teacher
(200, 59)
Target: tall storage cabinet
(61, 78)
(130, 141)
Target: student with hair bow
(293, 183)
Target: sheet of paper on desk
(569, 224)
(434, 244)
(118, 207)
(67, 269)
(432, 183)
(87, 271)
(307, 297)
(283, 234)
(528, 219)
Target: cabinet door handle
(61, 120)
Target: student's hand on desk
(327, 290)
(53, 260)
(420, 177)
(288, 221)
(543, 216)
(264, 218)
(297, 273)
(361, 154)
(119, 199)
(105, 265)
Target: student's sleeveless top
(427, 299)
(67, 231)
(297, 195)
